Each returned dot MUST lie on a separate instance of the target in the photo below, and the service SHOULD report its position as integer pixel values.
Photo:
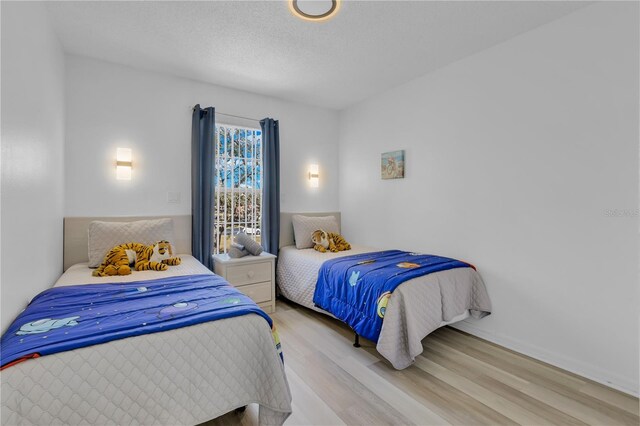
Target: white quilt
(179, 377)
(415, 309)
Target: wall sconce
(314, 176)
(123, 164)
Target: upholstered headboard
(286, 225)
(76, 237)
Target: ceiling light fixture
(314, 10)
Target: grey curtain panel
(271, 185)
(202, 189)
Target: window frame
(227, 191)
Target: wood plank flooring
(459, 380)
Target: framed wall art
(392, 165)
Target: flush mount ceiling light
(314, 10)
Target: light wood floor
(459, 379)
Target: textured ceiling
(260, 47)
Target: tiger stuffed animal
(119, 260)
(331, 241)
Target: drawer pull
(250, 274)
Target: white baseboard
(597, 374)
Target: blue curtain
(271, 185)
(202, 189)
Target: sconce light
(123, 164)
(314, 176)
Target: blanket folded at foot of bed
(65, 318)
(356, 288)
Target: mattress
(179, 377)
(80, 273)
(415, 309)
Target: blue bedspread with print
(66, 318)
(356, 288)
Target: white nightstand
(255, 276)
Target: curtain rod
(235, 116)
(238, 116)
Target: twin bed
(416, 308)
(195, 373)
(183, 376)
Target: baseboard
(615, 381)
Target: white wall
(110, 106)
(514, 157)
(32, 156)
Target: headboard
(76, 237)
(286, 225)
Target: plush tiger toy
(119, 260)
(331, 241)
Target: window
(238, 184)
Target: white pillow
(304, 226)
(103, 236)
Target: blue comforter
(356, 288)
(65, 318)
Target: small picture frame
(392, 165)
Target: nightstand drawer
(249, 274)
(260, 292)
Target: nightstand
(255, 276)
